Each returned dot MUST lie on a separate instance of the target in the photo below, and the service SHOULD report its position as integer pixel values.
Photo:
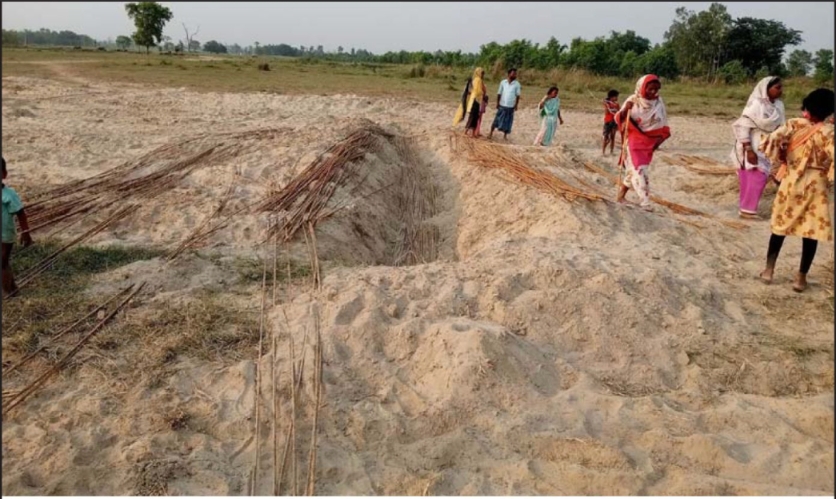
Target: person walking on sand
(549, 107)
(12, 207)
(507, 102)
(804, 149)
(645, 123)
(471, 105)
(611, 107)
(763, 114)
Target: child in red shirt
(611, 107)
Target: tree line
(710, 45)
(45, 36)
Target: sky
(380, 27)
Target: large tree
(799, 63)
(149, 19)
(698, 39)
(760, 43)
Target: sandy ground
(545, 347)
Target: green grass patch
(56, 298)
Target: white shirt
(508, 93)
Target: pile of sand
(540, 347)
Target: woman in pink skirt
(763, 114)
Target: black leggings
(808, 252)
(473, 118)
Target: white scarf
(760, 117)
(649, 114)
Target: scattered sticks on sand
(674, 207)
(699, 164)
(30, 274)
(18, 398)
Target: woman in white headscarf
(644, 122)
(763, 114)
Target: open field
(445, 317)
(579, 91)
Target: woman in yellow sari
(804, 149)
(474, 93)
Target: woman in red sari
(645, 121)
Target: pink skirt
(752, 184)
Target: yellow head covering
(475, 95)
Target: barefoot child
(804, 149)
(645, 121)
(611, 107)
(12, 207)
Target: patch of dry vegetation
(57, 299)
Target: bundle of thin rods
(503, 159)
(303, 200)
(140, 179)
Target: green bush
(733, 73)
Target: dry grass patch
(151, 478)
(579, 90)
(56, 299)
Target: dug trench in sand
(484, 361)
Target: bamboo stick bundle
(163, 152)
(317, 376)
(47, 221)
(304, 199)
(259, 382)
(711, 171)
(490, 156)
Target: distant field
(579, 90)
